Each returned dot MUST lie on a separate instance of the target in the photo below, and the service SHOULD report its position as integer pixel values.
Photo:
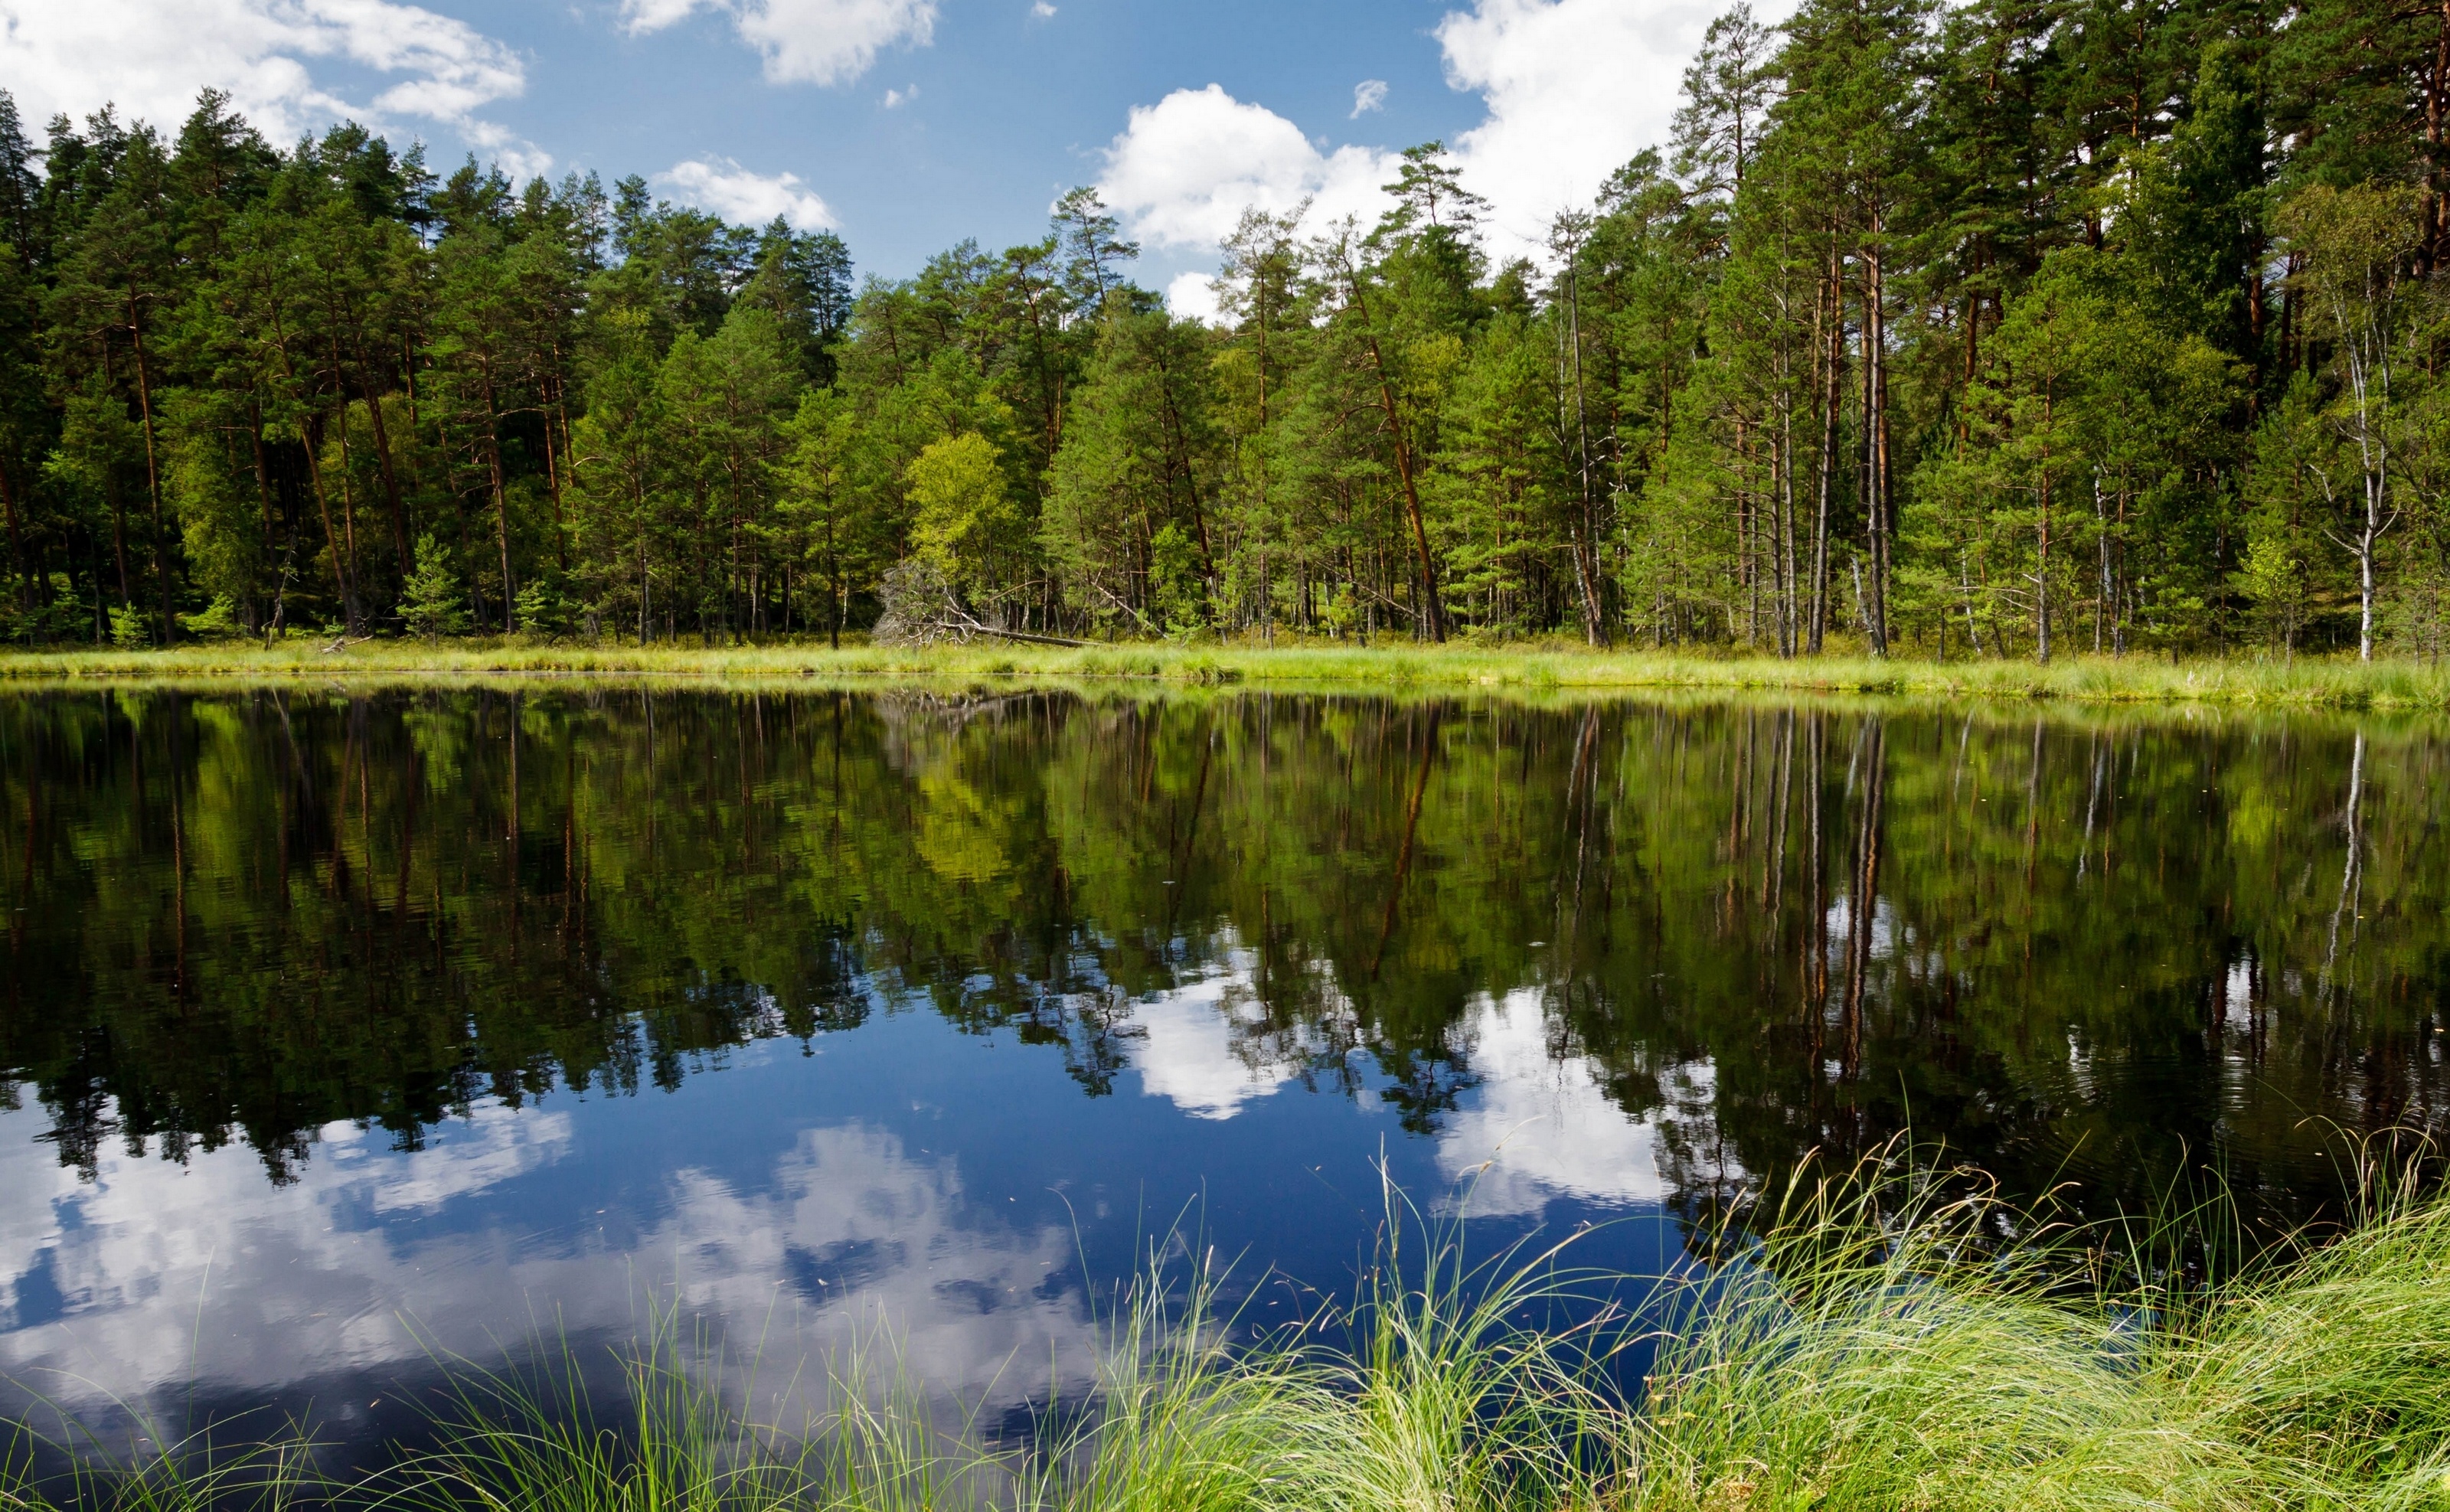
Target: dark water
(343, 1030)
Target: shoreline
(2306, 683)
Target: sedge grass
(1882, 1341)
(1535, 667)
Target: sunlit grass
(1535, 665)
(1876, 1340)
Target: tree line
(1998, 329)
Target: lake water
(346, 1030)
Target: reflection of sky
(959, 1189)
(1540, 1127)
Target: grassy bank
(1877, 1350)
(2305, 682)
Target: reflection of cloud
(1542, 1122)
(157, 1274)
(1190, 1054)
(101, 1284)
(507, 1143)
(864, 1233)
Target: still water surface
(346, 1030)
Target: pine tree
(430, 603)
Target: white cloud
(1186, 167)
(1042, 9)
(733, 192)
(895, 99)
(152, 57)
(821, 42)
(513, 154)
(1370, 94)
(639, 17)
(1573, 90)
(1193, 297)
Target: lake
(349, 1031)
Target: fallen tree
(922, 609)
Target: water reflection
(345, 1029)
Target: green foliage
(540, 607)
(128, 630)
(430, 601)
(220, 617)
(962, 521)
(1176, 588)
(1932, 329)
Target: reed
(1876, 1339)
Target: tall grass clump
(1911, 1342)
(535, 1440)
(1178, 1421)
(192, 1474)
(1906, 1342)
(2333, 1371)
(1422, 1394)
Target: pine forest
(2016, 328)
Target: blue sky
(907, 124)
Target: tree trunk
(501, 501)
(1832, 374)
(1876, 439)
(392, 498)
(16, 541)
(153, 477)
(353, 615)
(1431, 612)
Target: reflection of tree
(2100, 943)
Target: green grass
(1536, 667)
(1876, 1343)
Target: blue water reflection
(348, 1033)
(954, 1187)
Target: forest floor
(1540, 665)
(2306, 682)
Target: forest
(2005, 329)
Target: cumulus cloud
(1186, 169)
(1573, 88)
(733, 192)
(1193, 297)
(152, 57)
(1042, 9)
(895, 99)
(820, 42)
